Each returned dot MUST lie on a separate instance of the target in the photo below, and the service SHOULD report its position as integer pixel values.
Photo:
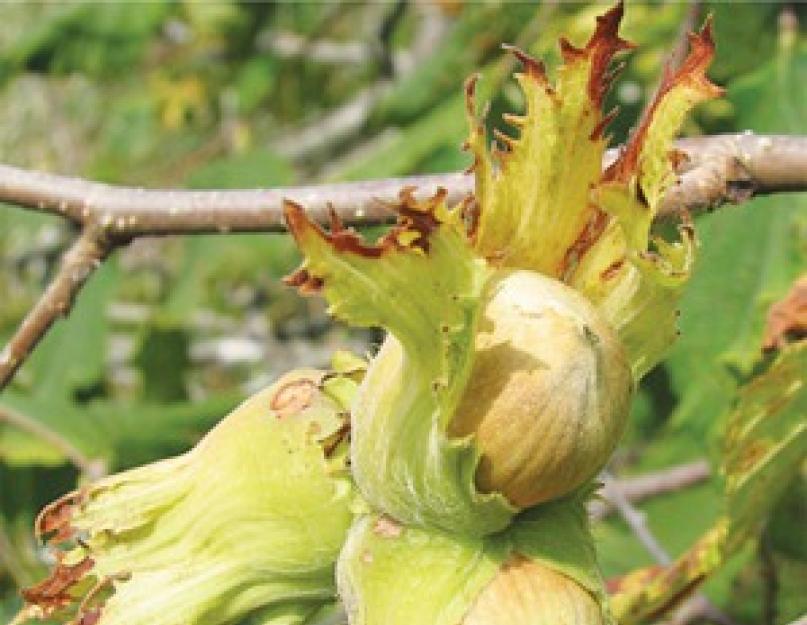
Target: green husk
(390, 574)
(251, 519)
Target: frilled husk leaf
(634, 277)
(533, 198)
(547, 206)
(389, 574)
(251, 519)
(544, 206)
(423, 283)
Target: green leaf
(254, 168)
(122, 433)
(164, 361)
(457, 55)
(443, 126)
(18, 448)
(765, 441)
(25, 448)
(73, 352)
(749, 256)
(70, 357)
(765, 445)
(209, 265)
(82, 37)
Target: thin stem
(636, 520)
(38, 429)
(657, 483)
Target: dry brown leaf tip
(787, 318)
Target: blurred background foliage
(172, 332)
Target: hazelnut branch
(716, 170)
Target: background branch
(634, 518)
(347, 120)
(634, 489)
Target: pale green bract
(248, 522)
(403, 462)
(544, 206)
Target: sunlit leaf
(749, 257)
(765, 445)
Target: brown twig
(720, 169)
(681, 44)
(126, 212)
(688, 25)
(733, 168)
(85, 255)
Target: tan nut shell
(549, 392)
(528, 593)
